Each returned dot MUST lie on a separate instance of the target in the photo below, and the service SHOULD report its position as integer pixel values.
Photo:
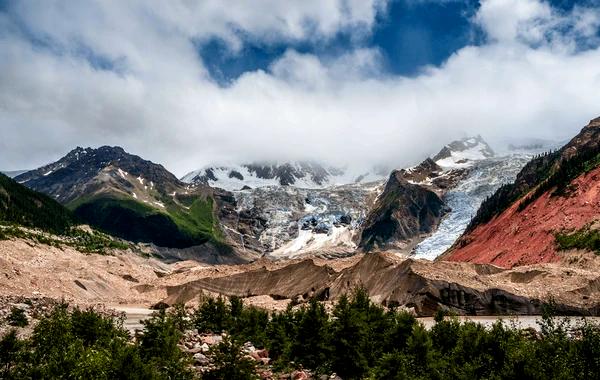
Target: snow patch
(465, 158)
(122, 173)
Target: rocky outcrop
(466, 149)
(401, 213)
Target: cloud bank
(93, 73)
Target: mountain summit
(129, 197)
(463, 152)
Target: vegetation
(17, 317)
(536, 170)
(229, 363)
(175, 227)
(25, 207)
(560, 180)
(36, 217)
(542, 174)
(77, 238)
(357, 340)
(586, 238)
(83, 344)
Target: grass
(586, 238)
(83, 241)
(177, 225)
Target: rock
(201, 359)
(262, 353)
(322, 228)
(249, 348)
(402, 212)
(159, 306)
(300, 375)
(211, 339)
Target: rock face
(286, 222)
(402, 212)
(461, 153)
(554, 192)
(303, 280)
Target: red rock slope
(523, 236)
(527, 236)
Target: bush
(585, 238)
(83, 344)
(229, 363)
(17, 317)
(358, 340)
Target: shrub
(229, 363)
(17, 317)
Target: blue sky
(409, 35)
(358, 82)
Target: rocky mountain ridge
(128, 197)
(300, 174)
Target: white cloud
(527, 81)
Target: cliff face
(555, 193)
(402, 212)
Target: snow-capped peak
(463, 153)
(300, 174)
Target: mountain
(301, 174)
(128, 197)
(402, 212)
(285, 221)
(288, 221)
(413, 203)
(13, 173)
(22, 206)
(462, 153)
(553, 204)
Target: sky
(359, 82)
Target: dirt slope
(465, 288)
(527, 236)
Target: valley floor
(125, 279)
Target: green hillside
(175, 226)
(22, 206)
